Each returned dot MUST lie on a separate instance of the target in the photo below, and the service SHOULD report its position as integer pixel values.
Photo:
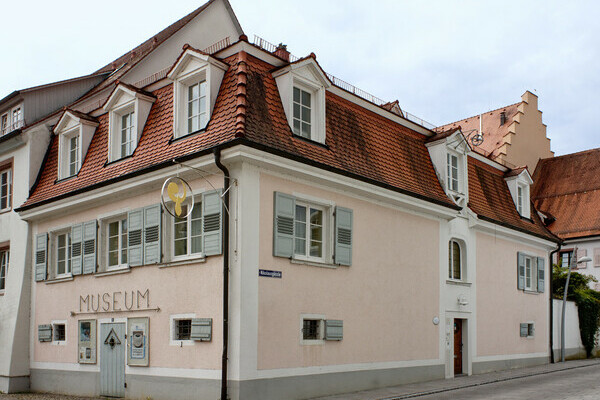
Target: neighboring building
(363, 249)
(24, 138)
(514, 135)
(567, 192)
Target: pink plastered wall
(187, 289)
(501, 307)
(387, 298)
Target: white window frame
(189, 255)
(19, 121)
(8, 172)
(202, 111)
(312, 92)
(520, 193)
(4, 124)
(321, 335)
(181, 97)
(532, 287)
(449, 169)
(65, 152)
(106, 226)
(317, 108)
(59, 342)
(4, 264)
(130, 132)
(173, 341)
(451, 260)
(68, 256)
(328, 208)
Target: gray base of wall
(571, 354)
(492, 366)
(15, 384)
(292, 388)
(304, 387)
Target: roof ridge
(240, 94)
(485, 112)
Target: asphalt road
(572, 384)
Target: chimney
(502, 117)
(281, 52)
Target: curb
(488, 382)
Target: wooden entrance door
(112, 359)
(458, 345)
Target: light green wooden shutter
(152, 248)
(76, 249)
(135, 225)
(334, 329)
(524, 330)
(283, 225)
(212, 223)
(520, 271)
(541, 274)
(41, 256)
(201, 329)
(89, 247)
(343, 236)
(45, 333)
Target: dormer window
(519, 182)
(4, 124)
(196, 80)
(302, 86)
(74, 131)
(128, 109)
(452, 161)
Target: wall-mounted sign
(108, 302)
(138, 341)
(177, 197)
(87, 341)
(269, 274)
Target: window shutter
(201, 329)
(89, 247)
(45, 333)
(76, 249)
(524, 328)
(580, 254)
(343, 236)
(597, 257)
(41, 256)
(554, 258)
(541, 274)
(283, 225)
(521, 271)
(334, 329)
(135, 225)
(152, 247)
(211, 223)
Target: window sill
(528, 291)
(59, 342)
(312, 342)
(115, 271)
(2, 292)
(313, 263)
(182, 343)
(310, 141)
(59, 280)
(116, 160)
(6, 210)
(66, 178)
(186, 135)
(185, 261)
(458, 283)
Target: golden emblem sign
(177, 197)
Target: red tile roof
(490, 199)
(248, 110)
(568, 188)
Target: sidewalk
(444, 385)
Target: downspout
(225, 213)
(552, 305)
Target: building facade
(237, 198)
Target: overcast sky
(443, 60)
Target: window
(183, 329)
(309, 231)
(17, 118)
(197, 113)
(302, 113)
(454, 260)
(565, 258)
(5, 189)
(187, 232)
(520, 199)
(4, 124)
(4, 255)
(63, 255)
(73, 155)
(527, 329)
(529, 274)
(60, 333)
(127, 134)
(452, 163)
(117, 243)
(311, 329)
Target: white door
(112, 359)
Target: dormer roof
(519, 173)
(74, 116)
(308, 64)
(132, 91)
(187, 55)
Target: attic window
(302, 113)
(74, 131)
(452, 162)
(519, 185)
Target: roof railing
(271, 48)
